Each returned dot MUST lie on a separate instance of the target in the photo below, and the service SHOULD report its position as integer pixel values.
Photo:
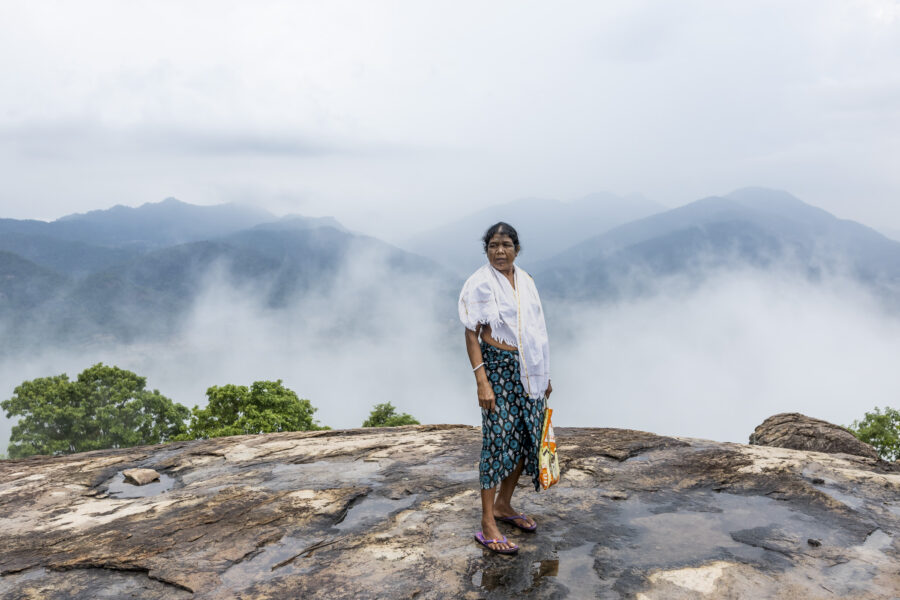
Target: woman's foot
(520, 520)
(492, 532)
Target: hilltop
(390, 513)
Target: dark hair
(502, 228)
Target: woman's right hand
(486, 398)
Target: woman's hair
(503, 228)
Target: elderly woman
(500, 304)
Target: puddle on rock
(703, 530)
(544, 568)
(285, 558)
(642, 457)
(570, 569)
(372, 509)
(878, 540)
(843, 497)
(829, 486)
(117, 488)
(576, 572)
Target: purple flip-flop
(479, 537)
(514, 521)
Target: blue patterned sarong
(513, 430)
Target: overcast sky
(396, 116)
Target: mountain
(300, 222)
(545, 227)
(893, 234)
(150, 226)
(752, 226)
(159, 224)
(65, 256)
(151, 295)
(25, 285)
(79, 245)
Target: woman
(511, 362)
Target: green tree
(385, 415)
(264, 407)
(105, 407)
(881, 430)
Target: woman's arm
(486, 398)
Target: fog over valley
(698, 321)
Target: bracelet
(476, 367)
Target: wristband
(476, 367)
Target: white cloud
(711, 361)
(439, 108)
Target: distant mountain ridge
(149, 226)
(80, 244)
(61, 290)
(70, 291)
(545, 228)
(750, 227)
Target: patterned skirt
(512, 431)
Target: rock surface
(390, 513)
(140, 476)
(799, 432)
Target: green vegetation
(881, 430)
(264, 407)
(106, 407)
(385, 415)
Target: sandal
(479, 537)
(514, 521)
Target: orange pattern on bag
(549, 461)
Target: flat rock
(140, 476)
(799, 432)
(390, 513)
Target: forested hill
(751, 228)
(129, 283)
(152, 225)
(134, 273)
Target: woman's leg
(527, 428)
(488, 524)
(502, 506)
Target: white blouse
(516, 318)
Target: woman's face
(501, 252)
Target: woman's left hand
(549, 390)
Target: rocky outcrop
(390, 513)
(799, 432)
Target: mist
(714, 361)
(708, 361)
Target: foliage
(105, 407)
(385, 415)
(881, 430)
(264, 407)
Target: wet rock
(391, 514)
(799, 432)
(140, 476)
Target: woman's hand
(486, 398)
(549, 390)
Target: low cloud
(709, 361)
(714, 361)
